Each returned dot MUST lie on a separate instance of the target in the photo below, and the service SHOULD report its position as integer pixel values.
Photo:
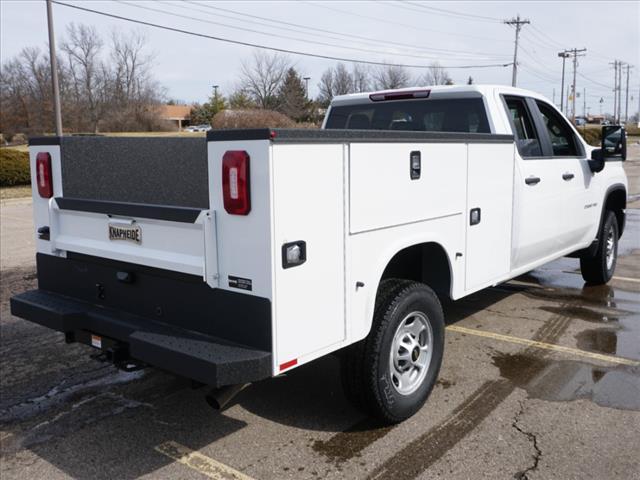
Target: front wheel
(599, 269)
(391, 373)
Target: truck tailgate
(139, 200)
(173, 238)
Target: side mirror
(596, 164)
(614, 142)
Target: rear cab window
(466, 115)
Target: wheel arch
(426, 262)
(615, 199)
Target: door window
(563, 140)
(523, 129)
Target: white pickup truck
(241, 257)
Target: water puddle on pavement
(614, 311)
(566, 380)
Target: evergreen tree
(292, 97)
(204, 113)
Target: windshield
(429, 115)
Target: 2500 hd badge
(131, 233)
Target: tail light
(43, 175)
(235, 182)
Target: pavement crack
(533, 439)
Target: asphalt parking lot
(541, 380)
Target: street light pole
(215, 93)
(306, 86)
(54, 71)
(564, 56)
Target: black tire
(597, 270)
(366, 365)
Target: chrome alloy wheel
(610, 248)
(411, 351)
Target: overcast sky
(453, 33)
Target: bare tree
(335, 81)
(342, 80)
(361, 78)
(133, 92)
(25, 93)
(436, 75)
(120, 94)
(89, 75)
(326, 88)
(262, 77)
(388, 77)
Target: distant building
(597, 119)
(177, 115)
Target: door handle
(567, 176)
(532, 180)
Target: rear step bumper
(196, 356)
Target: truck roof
(439, 91)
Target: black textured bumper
(200, 357)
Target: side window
(563, 140)
(523, 129)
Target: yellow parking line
(545, 346)
(201, 463)
(627, 279)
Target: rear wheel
(390, 373)
(599, 269)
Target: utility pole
(615, 89)
(626, 102)
(518, 23)
(54, 71)
(584, 103)
(564, 56)
(575, 53)
(619, 91)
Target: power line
(365, 40)
(608, 87)
(452, 13)
(286, 37)
(539, 64)
(387, 21)
(536, 73)
(546, 37)
(537, 41)
(264, 47)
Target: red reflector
(235, 182)
(382, 96)
(290, 363)
(43, 175)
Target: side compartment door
(489, 213)
(537, 214)
(308, 206)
